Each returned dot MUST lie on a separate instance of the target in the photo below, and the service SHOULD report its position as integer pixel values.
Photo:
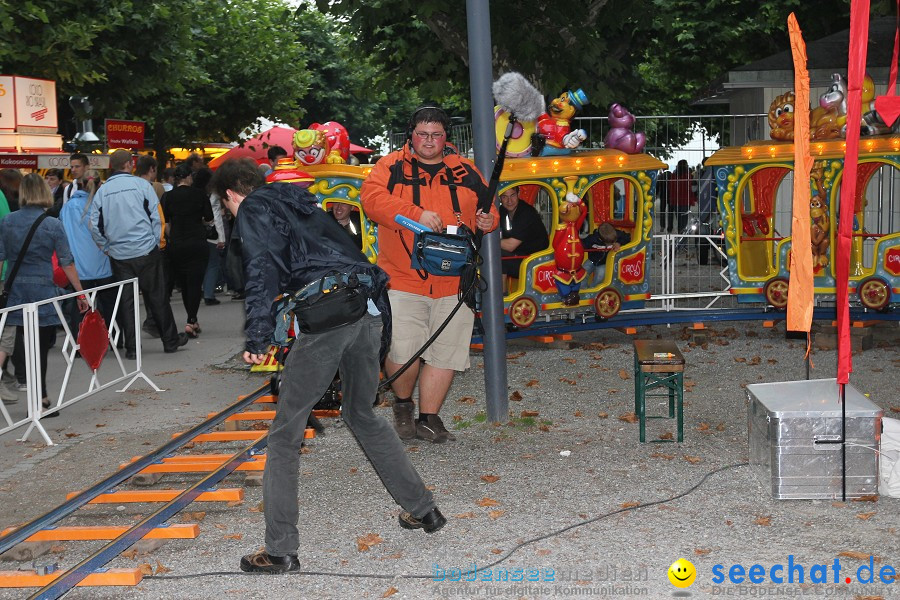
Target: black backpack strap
(25, 244)
(454, 199)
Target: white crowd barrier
(74, 386)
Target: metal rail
(638, 318)
(101, 557)
(67, 508)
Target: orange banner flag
(800, 298)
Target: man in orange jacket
(419, 182)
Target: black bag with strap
(4, 296)
(333, 301)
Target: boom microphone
(517, 96)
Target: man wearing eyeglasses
(419, 182)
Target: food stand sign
(7, 104)
(35, 105)
(125, 134)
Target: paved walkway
(572, 461)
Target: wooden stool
(658, 364)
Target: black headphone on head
(412, 119)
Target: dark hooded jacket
(287, 242)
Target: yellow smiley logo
(682, 573)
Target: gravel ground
(500, 485)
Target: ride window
(876, 211)
(539, 197)
(613, 200)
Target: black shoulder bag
(4, 296)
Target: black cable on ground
(487, 566)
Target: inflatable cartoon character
(338, 141)
(781, 117)
(568, 251)
(310, 146)
(555, 125)
(827, 119)
(620, 135)
(818, 216)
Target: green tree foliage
(652, 55)
(345, 83)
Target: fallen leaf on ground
(869, 498)
(496, 551)
(661, 455)
(895, 409)
(838, 504)
(740, 359)
(866, 515)
(496, 514)
(457, 418)
(490, 478)
(578, 413)
(234, 536)
(533, 383)
(720, 427)
(702, 551)
(542, 552)
(257, 508)
(389, 592)
(220, 525)
(629, 418)
(100, 425)
(667, 436)
(703, 427)
(567, 380)
(515, 396)
(145, 568)
(234, 503)
(603, 415)
(72, 435)
(544, 428)
(689, 385)
(467, 400)
(57, 549)
(365, 542)
(630, 504)
(859, 556)
(692, 459)
(515, 355)
(130, 553)
(764, 521)
(160, 568)
(571, 361)
(487, 502)
(468, 515)
(530, 413)
(754, 361)
(624, 374)
(353, 470)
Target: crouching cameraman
(288, 244)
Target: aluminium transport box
(789, 426)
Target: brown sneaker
(404, 420)
(439, 425)
(433, 430)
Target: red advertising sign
(543, 278)
(892, 261)
(18, 161)
(631, 269)
(125, 134)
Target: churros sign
(125, 134)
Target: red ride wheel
(523, 311)
(607, 303)
(776, 292)
(874, 294)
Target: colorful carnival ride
(754, 191)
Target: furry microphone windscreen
(516, 95)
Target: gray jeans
(309, 369)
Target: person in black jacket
(288, 243)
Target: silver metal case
(789, 426)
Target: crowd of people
(88, 232)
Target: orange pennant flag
(800, 298)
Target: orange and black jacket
(388, 192)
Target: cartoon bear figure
(568, 250)
(620, 135)
(819, 240)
